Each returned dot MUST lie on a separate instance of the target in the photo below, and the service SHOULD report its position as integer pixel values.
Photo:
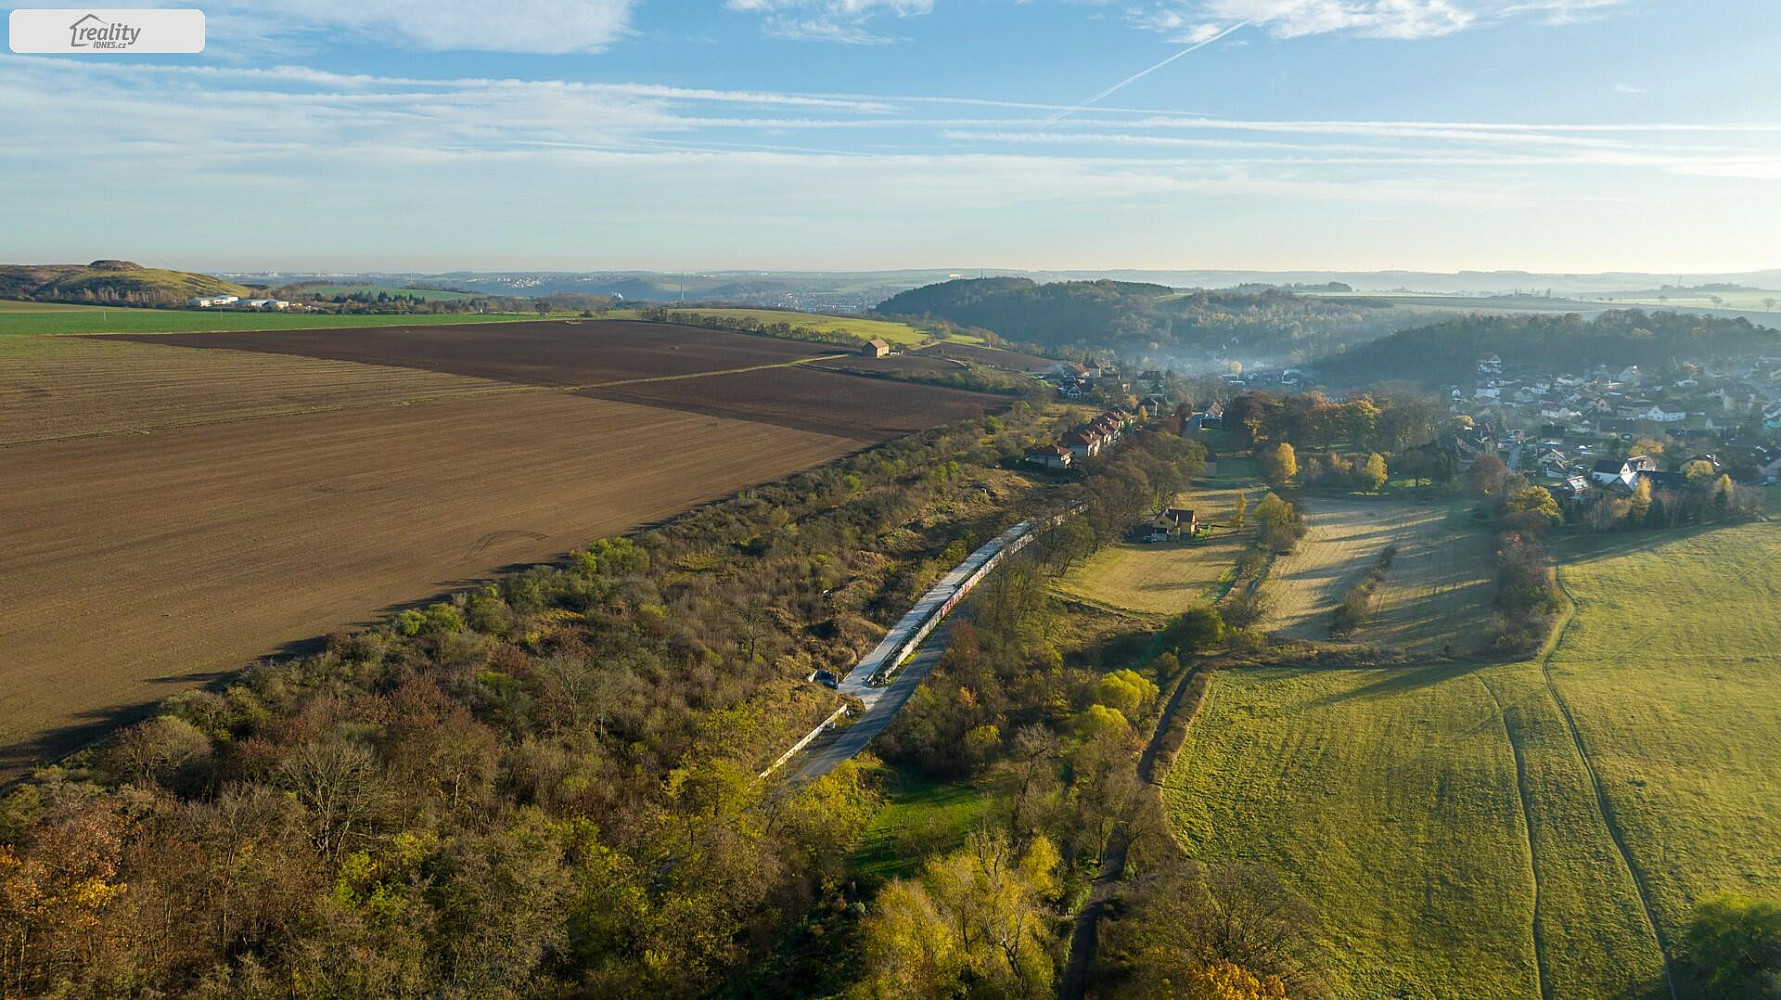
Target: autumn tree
(1535, 505)
(1281, 464)
(1640, 506)
(1372, 475)
(1487, 476)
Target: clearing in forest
(1166, 578)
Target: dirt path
(1087, 925)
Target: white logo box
(98, 31)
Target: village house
(1621, 474)
(876, 348)
(1181, 520)
(1055, 457)
(1084, 444)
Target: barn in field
(876, 348)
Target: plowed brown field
(803, 398)
(138, 564)
(554, 352)
(62, 387)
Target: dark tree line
(1086, 315)
(1447, 352)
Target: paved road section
(885, 706)
(922, 630)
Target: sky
(1566, 136)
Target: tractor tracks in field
(1511, 732)
(1604, 807)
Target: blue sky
(1554, 135)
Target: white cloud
(1192, 20)
(534, 26)
(830, 20)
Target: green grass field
(920, 818)
(1670, 668)
(1383, 798)
(1444, 821)
(46, 318)
(1165, 578)
(895, 333)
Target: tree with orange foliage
(1226, 981)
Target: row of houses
(1087, 440)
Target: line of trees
(1358, 599)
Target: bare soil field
(62, 387)
(556, 352)
(802, 398)
(916, 362)
(1342, 538)
(140, 564)
(1012, 360)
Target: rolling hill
(1152, 320)
(1446, 352)
(118, 282)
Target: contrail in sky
(1135, 77)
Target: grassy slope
(896, 333)
(1669, 668)
(1387, 799)
(1164, 578)
(1441, 819)
(929, 817)
(153, 280)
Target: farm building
(1182, 520)
(876, 348)
(213, 300)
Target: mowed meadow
(1456, 833)
(178, 506)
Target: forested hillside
(1095, 314)
(1447, 352)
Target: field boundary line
(1527, 827)
(690, 375)
(1604, 807)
